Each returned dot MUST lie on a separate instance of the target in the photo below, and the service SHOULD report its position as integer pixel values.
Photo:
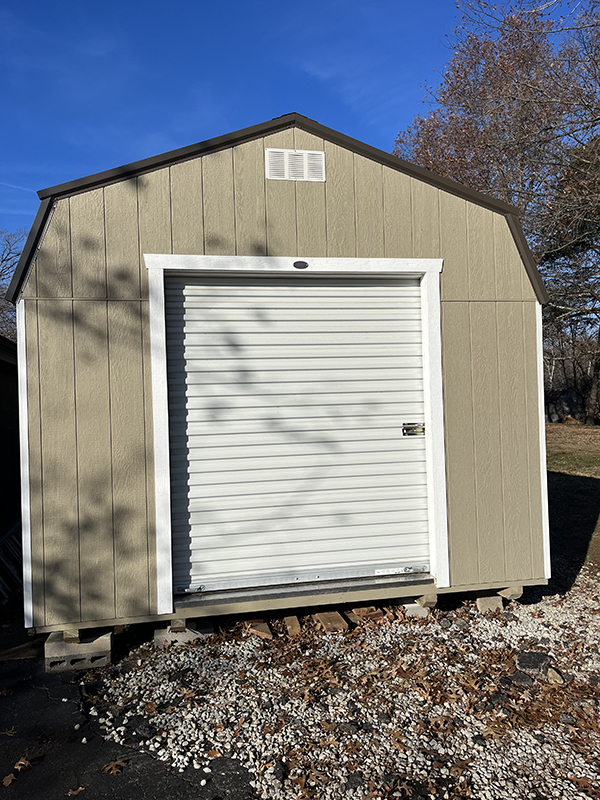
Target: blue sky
(86, 86)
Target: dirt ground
(574, 491)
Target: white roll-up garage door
(287, 401)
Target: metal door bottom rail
(300, 590)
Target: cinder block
(415, 610)
(512, 592)
(165, 637)
(427, 600)
(490, 602)
(61, 656)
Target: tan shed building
(275, 369)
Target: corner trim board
(434, 427)
(24, 463)
(543, 462)
(427, 269)
(162, 479)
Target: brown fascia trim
(528, 259)
(265, 128)
(29, 250)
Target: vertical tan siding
(340, 202)
(59, 462)
(88, 250)
(36, 511)
(460, 444)
(310, 204)
(280, 204)
(94, 463)
(249, 199)
(90, 420)
(397, 210)
(368, 191)
(218, 203)
(186, 207)
(122, 240)
(54, 258)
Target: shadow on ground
(574, 509)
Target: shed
(275, 369)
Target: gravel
(457, 705)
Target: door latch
(413, 429)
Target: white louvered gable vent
(295, 165)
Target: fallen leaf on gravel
(22, 763)
(150, 709)
(9, 779)
(73, 792)
(213, 754)
(113, 767)
(586, 785)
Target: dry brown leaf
(113, 767)
(150, 708)
(213, 754)
(9, 779)
(22, 763)
(73, 792)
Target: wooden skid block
(369, 613)
(331, 621)
(352, 617)
(259, 628)
(292, 625)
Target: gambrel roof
(50, 195)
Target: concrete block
(491, 602)
(427, 600)
(61, 656)
(178, 625)
(72, 636)
(511, 593)
(164, 637)
(415, 610)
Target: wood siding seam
(411, 205)
(203, 198)
(475, 471)
(112, 461)
(146, 470)
(500, 408)
(170, 209)
(235, 238)
(105, 248)
(70, 243)
(76, 453)
(139, 234)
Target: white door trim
(427, 269)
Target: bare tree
(517, 116)
(10, 249)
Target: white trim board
(427, 269)
(24, 459)
(543, 462)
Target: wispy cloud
(13, 186)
